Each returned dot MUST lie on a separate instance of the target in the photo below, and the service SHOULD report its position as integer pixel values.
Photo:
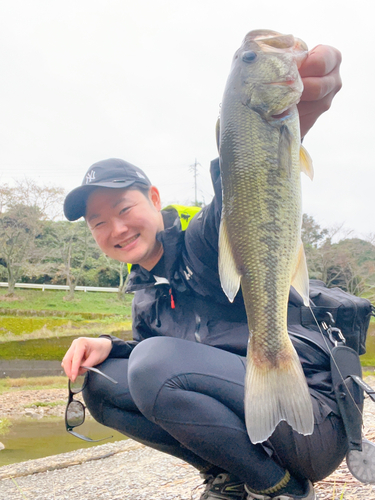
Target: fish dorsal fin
(229, 277)
(306, 163)
(300, 280)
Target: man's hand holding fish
(321, 80)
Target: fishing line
(334, 361)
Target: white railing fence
(43, 287)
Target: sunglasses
(75, 410)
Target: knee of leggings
(150, 367)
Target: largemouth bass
(260, 244)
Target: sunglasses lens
(75, 414)
(78, 385)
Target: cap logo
(140, 175)
(90, 176)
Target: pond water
(37, 357)
(17, 368)
(28, 440)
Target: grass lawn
(54, 300)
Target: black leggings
(186, 399)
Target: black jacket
(182, 297)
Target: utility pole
(194, 169)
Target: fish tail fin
(274, 394)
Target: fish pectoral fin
(285, 147)
(300, 279)
(274, 394)
(306, 163)
(229, 277)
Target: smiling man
(181, 380)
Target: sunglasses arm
(80, 436)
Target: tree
(121, 270)
(23, 209)
(73, 247)
(352, 267)
(314, 238)
(349, 263)
(47, 198)
(312, 234)
(19, 227)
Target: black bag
(335, 308)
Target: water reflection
(28, 440)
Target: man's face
(124, 224)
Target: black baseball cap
(111, 173)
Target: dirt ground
(18, 404)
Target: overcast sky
(85, 80)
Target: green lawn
(54, 300)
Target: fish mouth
(127, 242)
(282, 115)
(289, 82)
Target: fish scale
(260, 231)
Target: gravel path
(135, 473)
(131, 471)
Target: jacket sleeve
(120, 348)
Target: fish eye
(249, 56)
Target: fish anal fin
(306, 163)
(276, 394)
(229, 277)
(300, 279)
